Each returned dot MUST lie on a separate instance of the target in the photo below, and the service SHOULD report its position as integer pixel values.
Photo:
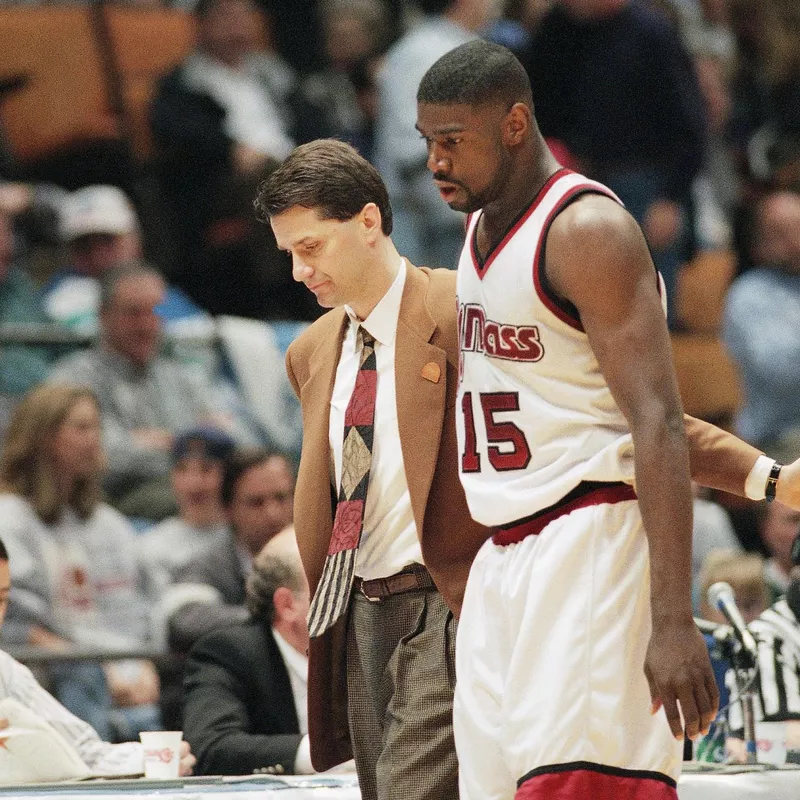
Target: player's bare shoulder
(592, 244)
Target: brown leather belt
(411, 579)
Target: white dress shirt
(297, 667)
(389, 541)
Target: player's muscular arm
(596, 257)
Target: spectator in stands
(342, 97)
(777, 693)
(209, 592)
(99, 226)
(17, 682)
(74, 560)
(222, 118)
(716, 190)
(613, 81)
(146, 398)
(712, 531)
(425, 230)
(246, 685)
(198, 460)
(761, 327)
(21, 366)
(744, 572)
(779, 527)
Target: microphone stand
(744, 670)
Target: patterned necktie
(333, 592)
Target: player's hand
(678, 670)
(788, 489)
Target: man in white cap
(100, 228)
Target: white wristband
(756, 483)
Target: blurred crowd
(149, 434)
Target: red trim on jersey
(550, 303)
(533, 526)
(476, 262)
(597, 782)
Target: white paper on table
(33, 751)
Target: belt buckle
(364, 594)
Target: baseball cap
(203, 441)
(96, 209)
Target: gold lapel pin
(431, 372)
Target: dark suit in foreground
(239, 712)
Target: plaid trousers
(400, 679)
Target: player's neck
(527, 180)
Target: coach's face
(329, 256)
(468, 151)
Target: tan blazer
(426, 371)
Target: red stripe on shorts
(594, 496)
(597, 782)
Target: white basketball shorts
(551, 700)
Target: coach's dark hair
(111, 279)
(328, 176)
(475, 73)
(243, 460)
(3, 551)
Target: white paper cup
(162, 758)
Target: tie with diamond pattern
(333, 592)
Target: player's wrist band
(772, 482)
(755, 485)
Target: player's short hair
(476, 73)
(328, 176)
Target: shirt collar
(296, 662)
(382, 321)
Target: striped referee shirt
(100, 757)
(777, 634)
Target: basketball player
(578, 663)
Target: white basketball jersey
(535, 415)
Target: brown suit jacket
(426, 335)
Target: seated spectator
(343, 96)
(767, 354)
(744, 572)
(198, 458)
(18, 682)
(779, 525)
(777, 633)
(21, 366)
(74, 560)
(100, 229)
(712, 531)
(220, 119)
(145, 398)
(209, 592)
(246, 685)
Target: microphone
(720, 596)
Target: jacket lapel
(420, 400)
(314, 478)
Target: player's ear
(516, 124)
